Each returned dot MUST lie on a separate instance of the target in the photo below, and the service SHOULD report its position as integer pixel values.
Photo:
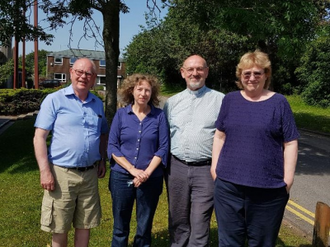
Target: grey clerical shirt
(191, 116)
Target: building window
(102, 63)
(58, 60)
(61, 77)
(119, 65)
(72, 60)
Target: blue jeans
(250, 213)
(123, 195)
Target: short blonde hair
(250, 59)
(127, 88)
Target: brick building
(60, 62)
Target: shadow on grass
(16, 148)
(162, 239)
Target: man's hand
(101, 169)
(47, 180)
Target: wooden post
(321, 225)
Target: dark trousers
(248, 213)
(123, 195)
(190, 197)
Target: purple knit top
(252, 154)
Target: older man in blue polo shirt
(69, 170)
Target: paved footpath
(7, 121)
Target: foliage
(19, 101)
(161, 49)
(314, 72)
(221, 31)
(21, 196)
(42, 63)
(14, 22)
(6, 70)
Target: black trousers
(247, 213)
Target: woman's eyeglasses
(256, 74)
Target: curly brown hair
(250, 59)
(126, 90)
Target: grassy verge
(21, 195)
(310, 117)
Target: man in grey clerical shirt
(191, 115)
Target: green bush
(20, 101)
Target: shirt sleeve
(163, 139)
(47, 114)
(290, 131)
(104, 125)
(114, 138)
(219, 123)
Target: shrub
(20, 101)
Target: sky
(129, 26)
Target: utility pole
(36, 69)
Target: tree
(14, 22)
(6, 70)
(160, 49)
(314, 71)
(223, 30)
(82, 10)
(42, 62)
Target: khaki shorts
(75, 200)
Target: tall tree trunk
(111, 46)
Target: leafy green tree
(42, 62)
(14, 23)
(160, 49)
(223, 30)
(314, 71)
(6, 70)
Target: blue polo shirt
(76, 127)
(139, 141)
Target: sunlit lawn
(21, 195)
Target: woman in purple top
(138, 147)
(254, 157)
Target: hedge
(21, 101)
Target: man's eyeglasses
(191, 70)
(248, 74)
(81, 72)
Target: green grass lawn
(310, 117)
(21, 195)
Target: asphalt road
(312, 181)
